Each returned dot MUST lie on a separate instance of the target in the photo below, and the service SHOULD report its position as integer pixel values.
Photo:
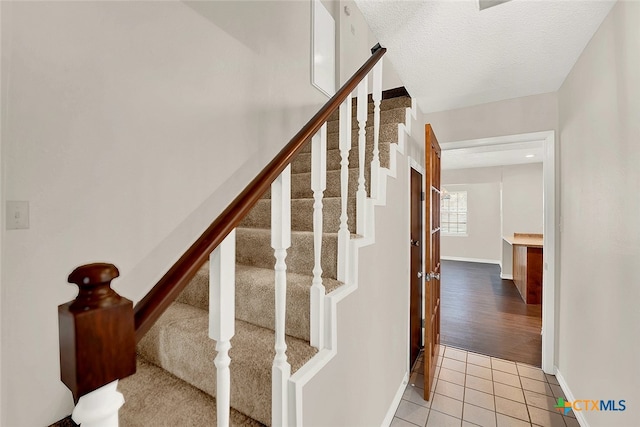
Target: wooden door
(415, 290)
(432, 259)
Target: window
(453, 212)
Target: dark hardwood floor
(485, 314)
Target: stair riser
(390, 116)
(388, 134)
(302, 214)
(256, 305)
(255, 296)
(301, 184)
(386, 104)
(253, 247)
(302, 163)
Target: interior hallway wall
(509, 117)
(599, 320)
(522, 207)
(482, 241)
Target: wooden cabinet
(527, 266)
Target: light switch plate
(17, 215)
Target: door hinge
(423, 196)
(423, 323)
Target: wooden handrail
(151, 307)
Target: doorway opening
(514, 145)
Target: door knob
(435, 276)
(415, 242)
(420, 274)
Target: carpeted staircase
(176, 379)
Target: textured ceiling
(451, 55)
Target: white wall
(509, 117)
(354, 40)
(129, 126)
(482, 242)
(358, 385)
(502, 200)
(390, 78)
(355, 36)
(522, 207)
(599, 104)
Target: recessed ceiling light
(529, 156)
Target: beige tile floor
(476, 390)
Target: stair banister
(97, 344)
(100, 315)
(318, 185)
(377, 98)
(149, 309)
(361, 194)
(280, 242)
(345, 147)
(222, 318)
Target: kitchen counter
(527, 265)
(525, 239)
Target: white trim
(414, 165)
(549, 254)
(551, 230)
(480, 260)
(396, 401)
(506, 276)
(570, 397)
(323, 36)
(498, 140)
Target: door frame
(550, 231)
(414, 164)
(420, 267)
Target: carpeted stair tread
(253, 247)
(154, 397)
(197, 291)
(385, 104)
(395, 115)
(179, 343)
(302, 214)
(302, 163)
(255, 298)
(301, 184)
(388, 134)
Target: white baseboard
(479, 260)
(570, 397)
(396, 401)
(506, 276)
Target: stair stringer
(301, 377)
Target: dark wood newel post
(97, 335)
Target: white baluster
(345, 147)
(222, 281)
(318, 185)
(100, 407)
(280, 242)
(377, 97)
(361, 194)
